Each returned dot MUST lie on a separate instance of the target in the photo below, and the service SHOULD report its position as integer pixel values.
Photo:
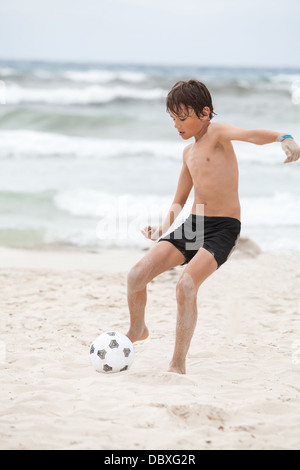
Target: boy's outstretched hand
(153, 233)
(291, 149)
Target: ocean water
(89, 155)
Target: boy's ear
(205, 113)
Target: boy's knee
(185, 288)
(136, 278)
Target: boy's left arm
(261, 137)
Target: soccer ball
(112, 352)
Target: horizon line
(145, 64)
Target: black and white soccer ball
(112, 352)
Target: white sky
(200, 32)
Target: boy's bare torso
(214, 170)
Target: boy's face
(189, 126)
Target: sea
(89, 155)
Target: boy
(208, 236)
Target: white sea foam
(101, 204)
(285, 78)
(92, 75)
(32, 144)
(103, 76)
(94, 94)
(280, 209)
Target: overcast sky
(210, 32)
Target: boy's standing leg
(202, 265)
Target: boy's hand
(291, 149)
(153, 233)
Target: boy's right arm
(260, 137)
(184, 187)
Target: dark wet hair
(189, 94)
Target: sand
(242, 387)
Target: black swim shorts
(218, 235)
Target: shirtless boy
(208, 236)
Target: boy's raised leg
(161, 257)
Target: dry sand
(242, 388)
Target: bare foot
(178, 369)
(138, 334)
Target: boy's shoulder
(217, 130)
(217, 126)
(188, 147)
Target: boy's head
(187, 95)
